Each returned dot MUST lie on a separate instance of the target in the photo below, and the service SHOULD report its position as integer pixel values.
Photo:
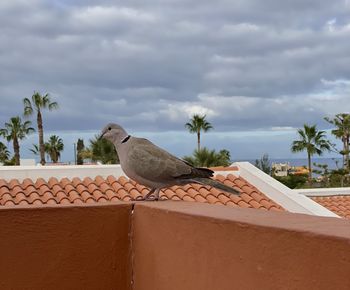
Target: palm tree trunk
(41, 138)
(347, 152)
(343, 151)
(310, 170)
(198, 140)
(16, 150)
(55, 157)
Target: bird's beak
(101, 136)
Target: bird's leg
(147, 197)
(156, 194)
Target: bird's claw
(146, 198)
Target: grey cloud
(148, 64)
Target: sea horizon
(330, 161)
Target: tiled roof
(339, 204)
(224, 168)
(73, 191)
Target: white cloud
(240, 28)
(103, 15)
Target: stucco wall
(65, 247)
(198, 246)
(170, 245)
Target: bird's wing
(153, 163)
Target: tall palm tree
(342, 131)
(4, 153)
(196, 125)
(313, 141)
(37, 103)
(54, 147)
(15, 131)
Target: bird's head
(114, 133)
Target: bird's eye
(109, 128)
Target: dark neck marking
(126, 139)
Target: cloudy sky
(257, 69)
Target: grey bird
(154, 167)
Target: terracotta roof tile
(222, 168)
(99, 189)
(31, 189)
(76, 181)
(47, 196)
(99, 180)
(339, 204)
(9, 203)
(17, 190)
(232, 204)
(13, 183)
(33, 197)
(23, 202)
(52, 181)
(6, 197)
(176, 198)
(87, 181)
(3, 183)
(73, 195)
(19, 197)
(255, 204)
(200, 198)
(27, 182)
(40, 182)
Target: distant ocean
(331, 162)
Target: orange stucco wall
(197, 246)
(65, 247)
(170, 245)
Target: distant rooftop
(336, 200)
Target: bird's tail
(216, 184)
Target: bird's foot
(152, 198)
(146, 198)
(149, 196)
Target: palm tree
(196, 125)
(209, 158)
(54, 147)
(101, 150)
(38, 103)
(264, 164)
(35, 149)
(342, 131)
(4, 153)
(313, 141)
(14, 131)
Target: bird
(154, 167)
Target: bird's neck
(122, 140)
(125, 139)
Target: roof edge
(69, 171)
(288, 198)
(324, 191)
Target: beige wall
(171, 245)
